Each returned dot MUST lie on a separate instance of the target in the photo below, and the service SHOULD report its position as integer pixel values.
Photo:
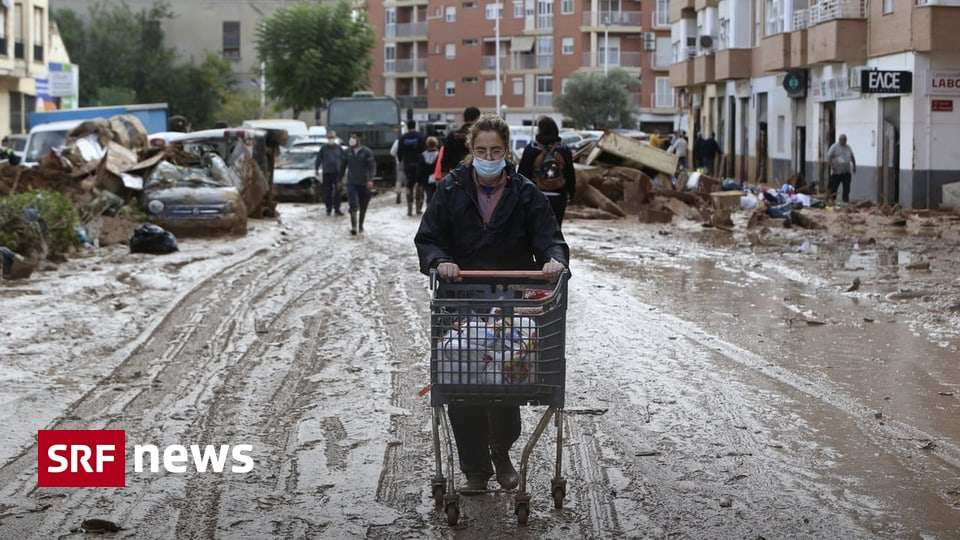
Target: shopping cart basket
(497, 338)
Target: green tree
(123, 60)
(598, 101)
(314, 53)
(239, 106)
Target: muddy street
(712, 392)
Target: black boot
(475, 485)
(507, 476)
(363, 215)
(353, 222)
(409, 205)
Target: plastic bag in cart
(489, 350)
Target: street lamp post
(606, 43)
(496, 53)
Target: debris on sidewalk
(149, 238)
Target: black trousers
(559, 205)
(477, 429)
(331, 191)
(836, 180)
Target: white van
(520, 137)
(46, 137)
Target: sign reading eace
(81, 458)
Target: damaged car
(295, 178)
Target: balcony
(662, 59)
(405, 65)
(405, 30)
(798, 49)
(733, 64)
(704, 4)
(404, 3)
(490, 62)
(704, 69)
(775, 52)
(834, 10)
(843, 40)
(412, 102)
(678, 7)
(616, 59)
(935, 27)
(543, 100)
(614, 20)
(681, 74)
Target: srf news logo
(97, 458)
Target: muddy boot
(363, 214)
(409, 205)
(507, 476)
(475, 485)
(399, 198)
(353, 222)
(419, 202)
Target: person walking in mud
(486, 216)
(455, 145)
(842, 166)
(425, 169)
(332, 161)
(361, 168)
(549, 163)
(411, 145)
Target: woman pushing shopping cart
(497, 261)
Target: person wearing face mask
(361, 168)
(486, 216)
(425, 168)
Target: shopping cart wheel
(559, 491)
(453, 513)
(522, 510)
(439, 490)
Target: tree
(239, 106)
(313, 53)
(597, 101)
(123, 60)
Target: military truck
(375, 118)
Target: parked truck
(375, 118)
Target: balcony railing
(405, 65)
(613, 18)
(831, 10)
(544, 22)
(801, 19)
(543, 100)
(544, 61)
(523, 61)
(411, 29)
(615, 58)
(490, 62)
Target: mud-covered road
(705, 398)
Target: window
(545, 84)
(390, 58)
(545, 45)
(544, 14)
(661, 17)
(493, 11)
(566, 7)
(888, 6)
(663, 99)
(451, 14)
(231, 40)
(468, 5)
(450, 51)
(609, 50)
(3, 30)
(518, 86)
(18, 31)
(781, 133)
(566, 46)
(490, 87)
(662, 58)
(774, 17)
(470, 42)
(469, 80)
(451, 89)
(518, 9)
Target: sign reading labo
(886, 82)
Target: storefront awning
(521, 44)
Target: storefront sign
(886, 82)
(795, 83)
(944, 83)
(941, 105)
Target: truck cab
(375, 118)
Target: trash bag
(749, 201)
(149, 238)
(729, 184)
(780, 211)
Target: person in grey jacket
(361, 168)
(332, 160)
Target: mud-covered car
(196, 200)
(294, 177)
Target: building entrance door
(828, 135)
(742, 170)
(890, 152)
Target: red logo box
(81, 458)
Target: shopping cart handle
(505, 274)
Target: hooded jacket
(522, 235)
(534, 149)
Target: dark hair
(357, 135)
(411, 125)
(470, 114)
(547, 130)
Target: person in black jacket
(425, 168)
(455, 145)
(548, 139)
(485, 216)
(411, 145)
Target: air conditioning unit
(853, 77)
(706, 42)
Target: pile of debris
(619, 177)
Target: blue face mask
(487, 168)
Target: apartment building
(29, 47)
(779, 80)
(439, 56)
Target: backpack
(548, 169)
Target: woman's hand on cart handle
(449, 271)
(552, 269)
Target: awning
(521, 44)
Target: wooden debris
(636, 154)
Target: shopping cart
(497, 338)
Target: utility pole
(496, 53)
(606, 43)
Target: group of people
(706, 150)
(357, 166)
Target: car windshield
(366, 111)
(41, 142)
(296, 160)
